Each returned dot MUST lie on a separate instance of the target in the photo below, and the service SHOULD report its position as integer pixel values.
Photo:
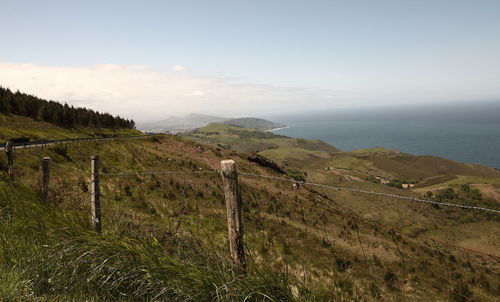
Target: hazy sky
(150, 59)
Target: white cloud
(142, 93)
(178, 68)
(196, 93)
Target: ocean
(466, 136)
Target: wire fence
(371, 192)
(156, 173)
(42, 143)
(346, 212)
(327, 205)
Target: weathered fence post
(233, 206)
(45, 178)
(10, 159)
(95, 194)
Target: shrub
(461, 292)
(342, 264)
(62, 150)
(374, 290)
(390, 279)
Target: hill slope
(287, 151)
(181, 124)
(193, 121)
(315, 158)
(165, 234)
(13, 126)
(254, 123)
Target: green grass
(297, 154)
(284, 150)
(166, 235)
(368, 151)
(373, 164)
(17, 126)
(51, 254)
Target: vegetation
(55, 113)
(254, 123)
(285, 150)
(164, 236)
(323, 162)
(58, 258)
(13, 126)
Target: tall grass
(51, 255)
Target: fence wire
(371, 192)
(43, 143)
(345, 212)
(339, 210)
(156, 172)
(355, 217)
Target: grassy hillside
(376, 165)
(254, 123)
(288, 152)
(164, 236)
(402, 165)
(428, 173)
(12, 126)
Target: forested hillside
(56, 113)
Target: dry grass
(302, 243)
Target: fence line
(130, 173)
(42, 143)
(371, 192)
(157, 172)
(385, 229)
(343, 212)
(355, 217)
(58, 164)
(234, 206)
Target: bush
(461, 292)
(390, 279)
(342, 264)
(374, 290)
(62, 150)
(447, 193)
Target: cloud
(178, 68)
(139, 92)
(196, 93)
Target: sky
(152, 59)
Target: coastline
(279, 128)
(441, 137)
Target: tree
(53, 112)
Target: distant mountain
(254, 123)
(181, 124)
(194, 121)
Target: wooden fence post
(45, 178)
(95, 194)
(10, 160)
(233, 207)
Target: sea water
(468, 141)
